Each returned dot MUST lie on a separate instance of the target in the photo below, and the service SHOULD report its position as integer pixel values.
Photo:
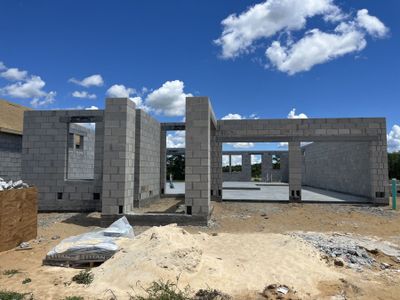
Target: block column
(119, 156)
(295, 159)
(379, 168)
(266, 167)
(198, 156)
(163, 159)
(216, 167)
(246, 166)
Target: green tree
(394, 165)
(176, 167)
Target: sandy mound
(232, 263)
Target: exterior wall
(338, 166)
(295, 157)
(371, 130)
(147, 159)
(81, 161)
(119, 156)
(10, 156)
(44, 160)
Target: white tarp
(96, 242)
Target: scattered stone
(55, 237)
(276, 291)
(24, 246)
(339, 262)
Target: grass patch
(160, 290)
(10, 272)
(7, 295)
(73, 298)
(83, 277)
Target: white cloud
(120, 91)
(292, 115)
(31, 87)
(236, 160)
(314, 48)
(371, 24)
(267, 19)
(169, 99)
(393, 139)
(279, 18)
(13, 74)
(93, 80)
(83, 95)
(2, 66)
(242, 145)
(232, 117)
(92, 108)
(176, 139)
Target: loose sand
(232, 263)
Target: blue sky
(157, 52)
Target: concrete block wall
(10, 156)
(371, 130)
(81, 161)
(163, 159)
(338, 166)
(216, 167)
(119, 156)
(198, 156)
(44, 161)
(295, 164)
(147, 159)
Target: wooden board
(18, 217)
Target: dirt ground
(227, 217)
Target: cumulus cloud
(232, 117)
(2, 66)
(92, 108)
(31, 87)
(83, 95)
(13, 74)
(176, 139)
(120, 91)
(292, 115)
(267, 19)
(314, 48)
(279, 18)
(93, 80)
(393, 139)
(371, 24)
(169, 99)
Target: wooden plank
(18, 217)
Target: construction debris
(9, 185)
(91, 247)
(349, 250)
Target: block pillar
(379, 171)
(163, 160)
(246, 166)
(119, 156)
(216, 167)
(295, 162)
(266, 167)
(198, 156)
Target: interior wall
(337, 166)
(147, 159)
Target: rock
(339, 262)
(55, 237)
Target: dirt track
(240, 218)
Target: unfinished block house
(114, 160)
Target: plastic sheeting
(100, 242)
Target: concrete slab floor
(179, 188)
(280, 192)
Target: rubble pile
(346, 249)
(10, 185)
